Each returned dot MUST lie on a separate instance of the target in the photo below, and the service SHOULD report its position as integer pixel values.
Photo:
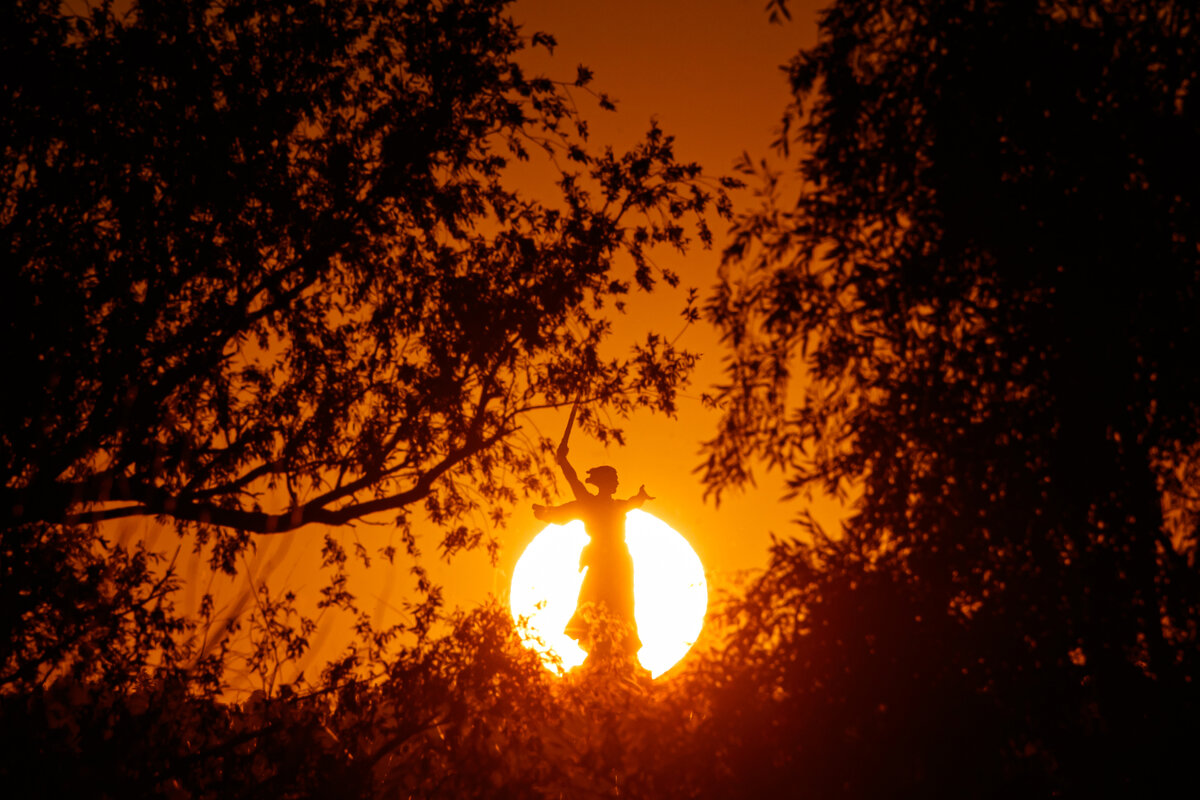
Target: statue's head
(603, 478)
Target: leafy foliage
(470, 714)
(987, 292)
(268, 266)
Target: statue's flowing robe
(609, 578)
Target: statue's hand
(539, 511)
(561, 452)
(641, 495)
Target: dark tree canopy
(272, 264)
(979, 321)
(267, 266)
(976, 323)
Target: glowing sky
(709, 72)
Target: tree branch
(261, 522)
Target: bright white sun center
(669, 591)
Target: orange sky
(708, 71)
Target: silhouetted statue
(608, 584)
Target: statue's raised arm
(577, 488)
(568, 511)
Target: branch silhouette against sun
(608, 583)
(267, 269)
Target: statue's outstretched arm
(559, 515)
(637, 500)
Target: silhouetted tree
(462, 715)
(267, 264)
(983, 303)
(471, 713)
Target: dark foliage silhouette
(986, 296)
(982, 304)
(266, 267)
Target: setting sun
(670, 593)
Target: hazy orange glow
(670, 592)
(708, 72)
